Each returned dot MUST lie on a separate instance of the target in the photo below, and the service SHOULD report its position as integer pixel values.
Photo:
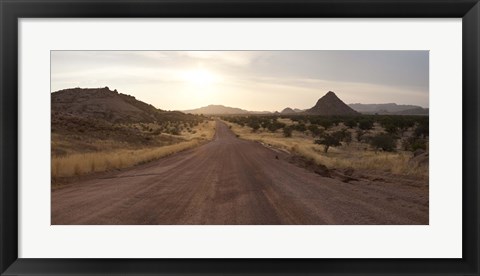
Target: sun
(200, 77)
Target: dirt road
(233, 181)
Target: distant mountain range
(221, 109)
(412, 111)
(111, 106)
(328, 105)
(217, 109)
(389, 108)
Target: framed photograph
(206, 137)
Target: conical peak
(330, 104)
(330, 94)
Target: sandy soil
(233, 181)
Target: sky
(251, 80)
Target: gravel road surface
(233, 181)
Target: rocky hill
(84, 120)
(222, 110)
(331, 105)
(108, 105)
(287, 111)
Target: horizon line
(218, 104)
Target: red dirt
(233, 181)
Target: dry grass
(352, 156)
(84, 163)
(393, 162)
(205, 130)
(273, 139)
(286, 121)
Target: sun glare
(200, 77)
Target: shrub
(301, 127)
(351, 123)
(314, 130)
(360, 135)
(326, 124)
(347, 137)
(287, 131)
(365, 124)
(383, 141)
(275, 126)
(254, 126)
(391, 128)
(422, 130)
(414, 143)
(174, 131)
(329, 140)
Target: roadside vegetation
(387, 143)
(82, 146)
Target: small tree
(413, 144)
(314, 130)
(275, 126)
(287, 131)
(300, 127)
(340, 134)
(255, 126)
(383, 141)
(351, 123)
(328, 140)
(326, 124)
(174, 131)
(391, 128)
(360, 134)
(365, 124)
(421, 130)
(347, 138)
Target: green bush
(315, 130)
(287, 131)
(365, 124)
(328, 140)
(383, 141)
(414, 143)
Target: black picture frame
(11, 11)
